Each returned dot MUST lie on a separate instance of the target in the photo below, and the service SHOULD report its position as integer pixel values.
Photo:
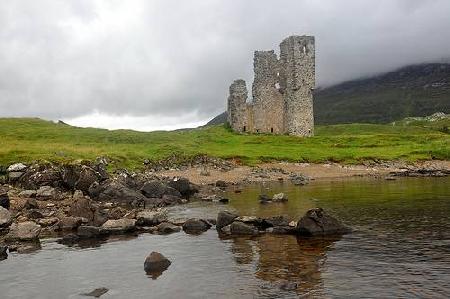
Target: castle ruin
(282, 91)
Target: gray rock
(168, 228)
(225, 218)
(46, 192)
(116, 192)
(318, 222)
(96, 293)
(24, 231)
(156, 263)
(119, 226)
(279, 197)
(240, 228)
(196, 226)
(5, 217)
(264, 198)
(150, 217)
(28, 193)
(16, 167)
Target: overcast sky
(166, 64)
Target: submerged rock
(97, 292)
(156, 263)
(196, 226)
(280, 197)
(87, 232)
(318, 222)
(240, 228)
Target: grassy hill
(415, 90)
(26, 139)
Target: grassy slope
(28, 139)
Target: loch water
(400, 247)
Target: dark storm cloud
(63, 59)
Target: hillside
(25, 140)
(416, 90)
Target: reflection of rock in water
(285, 258)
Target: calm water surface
(400, 248)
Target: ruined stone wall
(297, 81)
(237, 106)
(282, 91)
(268, 104)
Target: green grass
(26, 140)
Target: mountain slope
(416, 90)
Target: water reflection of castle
(285, 258)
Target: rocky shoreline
(81, 201)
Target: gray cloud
(64, 59)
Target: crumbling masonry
(282, 91)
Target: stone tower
(297, 81)
(282, 91)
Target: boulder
(4, 198)
(16, 167)
(150, 217)
(156, 189)
(156, 263)
(87, 177)
(225, 218)
(3, 252)
(116, 192)
(317, 222)
(24, 231)
(119, 226)
(5, 217)
(276, 221)
(46, 192)
(196, 226)
(279, 197)
(299, 179)
(86, 231)
(82, 207)
(240, 228)
(28, 193)
(39, 176)
(168, 228)
(182, 185)
(70, 223)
